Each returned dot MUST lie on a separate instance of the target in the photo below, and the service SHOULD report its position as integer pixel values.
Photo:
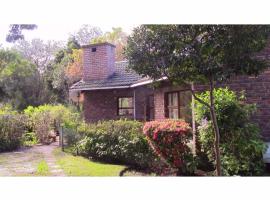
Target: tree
(65, 70)
(75, 67)
(86, 34)
(17, 78)
(207, 54)
(38, 52)
(116, 37)
(41, 54)
(15, 31)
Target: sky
(57, 32)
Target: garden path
(24, 162)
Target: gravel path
(24, 161)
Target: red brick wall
(257, 90)
(102, 104)
(98, 64)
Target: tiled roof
(122, 78)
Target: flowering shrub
(169, 139)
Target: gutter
(147, 82)
(103, 88)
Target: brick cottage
(112, 92)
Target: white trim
(141, 83)
(103, 88)
(147, 82)
(121, 61)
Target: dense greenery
(35, 124)
(12, 127)
(169, 139)
(198, 53)
(45, 119)
(17, 76)
(240, 143)
(29, 139)
(120, 141)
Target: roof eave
(120, 87)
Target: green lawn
(79, 166)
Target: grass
(79, 166)
(42, 169)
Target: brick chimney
(98, 61)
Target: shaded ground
(25, 162)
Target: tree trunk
(216, 129)
(214, 120)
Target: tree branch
(198, 99)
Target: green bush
(72, 136)
(46, 118)
(29, 139)
(12, 127)
(120, 141)
(240, 143)
(6, 109)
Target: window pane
(125, 111)
(173, 99)
(125, 102)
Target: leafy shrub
(43, 126)
(120, 141)
(12, 126)
(29, 139)
(169, 139)
(46, 118)
(72, 136)
(7, 109)
(240, 142)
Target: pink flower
(155, 135)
